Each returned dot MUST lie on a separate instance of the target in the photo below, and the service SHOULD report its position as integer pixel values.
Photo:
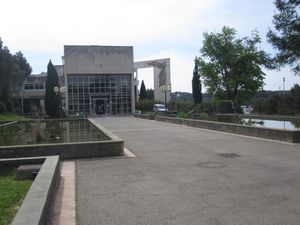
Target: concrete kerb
(37, 207)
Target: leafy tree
(295, 91)
(231, 67)
(285, 106)
(20, 60)
(150, 94)
(51, 98)
(257, 106)
(13, 65)
(269, 105)
(286, 38)
(196, 85)
(143, 92)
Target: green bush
(146, 104)
(18, 111)
(223, 106)
(269, 105)
(182, 115)
(2, 107)
(285, 106)
(257, 106)
(9, 106)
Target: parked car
(247, 109)
(159, 108)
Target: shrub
(223, 106)
(269, 105)
(2, 107)
(182, 115)
(285, 106)
(9, 106)
(18, 111)
(146, 104)
(257, 106)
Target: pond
(277, 124)
(49, 133)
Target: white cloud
(156, 29)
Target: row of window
(116, 88)
(34, 86)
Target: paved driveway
(182, 175)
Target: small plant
(249, 122)
(205, 116)
(37, 131)
(182, 115)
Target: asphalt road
(180, 176)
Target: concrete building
(98, 79)
(161, 75)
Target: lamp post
(165, 89)
(60, 90)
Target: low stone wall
(37, 207)
(261, 132)
(77, 150)
(144, 116)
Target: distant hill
(186, 96)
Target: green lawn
(12, 194)
(7, 116)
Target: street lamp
(165, 89)
(60, 90)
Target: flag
(91, 103)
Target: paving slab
(184, 175)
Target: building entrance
(99, 106)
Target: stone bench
(25, 172)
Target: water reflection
(49, 133)
(286, 125)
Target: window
(39, 86)
(32, 86)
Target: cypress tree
(196, 85)
(143, 92)
(52, 99)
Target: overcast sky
(155, 28)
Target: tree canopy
(143, 92)
(13, 65)
(51, 98)
(196, 85)
(286, 37)
(231, 67)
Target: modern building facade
(98, 79)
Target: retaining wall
(261, 132)
(37, 207)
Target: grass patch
(182, 115)
(12, 194)
(11, 117)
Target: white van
(159, 108)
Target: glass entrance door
(99, 106)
